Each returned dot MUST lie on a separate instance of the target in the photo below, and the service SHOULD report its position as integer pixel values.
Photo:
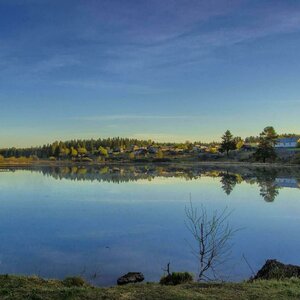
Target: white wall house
(287, 182)
(287, 142)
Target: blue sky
(171, 70)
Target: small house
(135, 148)
(141, 151)
(287, 142)
(287, 182)
(248, 147)
(153, 150)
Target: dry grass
(16, 287)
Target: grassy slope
(15, 287)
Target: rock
(274, 269)
(131, 277)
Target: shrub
(131, 155)
(86, 159)
(103, 151)
(73, 281)
(297, 158)
(176, 278)
(161, 160)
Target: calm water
(101, 223)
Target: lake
(102, 222)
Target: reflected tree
(228, 181)
(269, 191)
(267, 182)
(229, 177)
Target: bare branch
(212, 236)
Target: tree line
(75, 147)
(101, 147)
(94, 147)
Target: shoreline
(34, 287)
(129, 163)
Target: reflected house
(287, 183)
(269, 180)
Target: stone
(131, 277)
(274, 269)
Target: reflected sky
(100, 229)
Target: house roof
(288, 140)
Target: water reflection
(269, 180)
(81, 220)
(267, 183)
(229, 181)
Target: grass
(34, 288)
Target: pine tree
(267, 141)
(228, 142)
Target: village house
(135, 148)
(196, 148)
(249, 147)
(153, 150)
(141, 151)
(287, 182)
(287, 142)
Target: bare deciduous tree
(212, 235)
(167, 270)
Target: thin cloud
(98, 83)
(174, 33)
(55, 62)
(196, 45)
(135, 117)
(164, 137)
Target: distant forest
(74, 147)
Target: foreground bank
(16, 287)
